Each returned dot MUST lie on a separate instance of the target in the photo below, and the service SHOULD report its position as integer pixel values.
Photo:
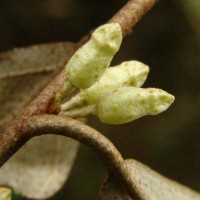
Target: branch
(45, 124)
(131, 13)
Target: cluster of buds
(111, 93)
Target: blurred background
(168, 40)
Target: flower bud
(90, 61)
(5, 193)
(130, 73)
(128, 103)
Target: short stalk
(81, 112)
(76, 101)
(64, 91)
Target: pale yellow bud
(130, 73)
(108, 37)
(5, 193)
(89, 62)
(128, 103)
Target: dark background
(167, 40)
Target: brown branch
(131, 13)
(45, 124)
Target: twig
(84, 111)
(45, 124)
(131, 13)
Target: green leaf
(5, 193)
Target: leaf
(5, 193)
(39, 168)
(149, 184)
(17, 92)
(24, 73)
(34, 59)
(110, 190)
